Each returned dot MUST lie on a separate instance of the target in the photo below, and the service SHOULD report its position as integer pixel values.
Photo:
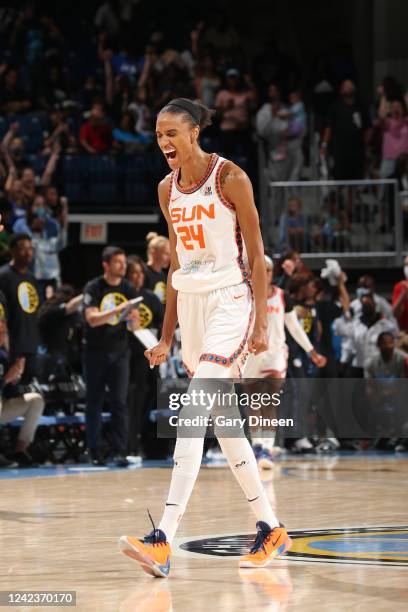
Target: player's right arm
(158, 354)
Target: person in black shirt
(332, 302)
(59, 321)
(106, 355)
(142, 389)
(345, 132)
(158, 260)
(22, 302)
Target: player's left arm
(237, 189)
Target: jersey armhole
(221, 196)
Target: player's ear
(194, 134)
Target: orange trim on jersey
(170, 188)
(200, 183)
(218, 189)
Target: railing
(361, 221)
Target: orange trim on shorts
(227, 362)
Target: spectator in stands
(390, 362)
(60, 133)
(95, 135)
(125, 137)
(57, 205)
(142, 115)
(364, 331)
(14, 403)
(400, 301)
(14, 146)
(347, 132)
(334, 231)
(53, 86)
(13, 100)
(207, 81)
(272, 128)
(292, 138)
(22, 301)
(395, 134)
(234, 104)
(48, 239)
(158, 260)
(143, 380)
(29, 184)
(365, 286)
(292, 227)
(106, 355)
(17, 200)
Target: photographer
(106, 355)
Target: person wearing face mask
(400, 304)
(366, 285)
(48, 239)
(346, 133)
(363, 331)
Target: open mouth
(170, 154)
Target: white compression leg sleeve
(187, 460)
(241, 459)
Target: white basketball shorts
(273, 362)
(215, 328)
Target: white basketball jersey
(276, 320)
(210, 247)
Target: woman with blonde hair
(158, 260)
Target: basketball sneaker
(257, 448)
(265, 460)
(269, 543)
(153, 552)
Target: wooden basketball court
(347, 515)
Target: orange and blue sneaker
(269, 543)
(153, 552)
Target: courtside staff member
(106, 355)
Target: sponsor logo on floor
(363, 545)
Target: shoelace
(260, 540)
(154, 536)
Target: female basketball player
(213, 230)
(271, 365)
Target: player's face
(116, 266)
(176, 138)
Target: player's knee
(187, 456)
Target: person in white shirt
(363, 331)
